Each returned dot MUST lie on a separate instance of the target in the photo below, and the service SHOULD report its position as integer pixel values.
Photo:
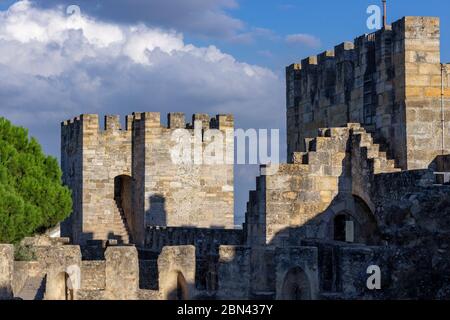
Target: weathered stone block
(6, 271)
(122, 273)
(176, 269)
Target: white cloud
(303, 39)
(54, 67)
(94, 64)
(209, 18)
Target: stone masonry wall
(427, 130)
(122, 273)
(72, 168)
(91, 160)
(234, 273)
(136, 162)
(319, 184)
(388, 81)
(93, 275)
(205, 240)
(174, 194)
(176, 271)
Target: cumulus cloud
(303, 39)
(201, 17)
(54, 67)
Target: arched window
(356, 224)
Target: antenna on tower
(384, 14)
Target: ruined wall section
(305, 195)
(388, 81)
(182, 194)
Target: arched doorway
(123, 198)
(355, 224)
(296, 285)
(122, 190)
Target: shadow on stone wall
(407, 234)
(157, 214)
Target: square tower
(390, 81)
(123, 180)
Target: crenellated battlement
(345, 51)
(99, 159)
(175, 120)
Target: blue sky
(329, 20)
(214, 56)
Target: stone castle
(366, 188)
(124, 180)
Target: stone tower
(390, 81)
(123, 180)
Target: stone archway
(296, 285)
(353, 221)
(122, 192)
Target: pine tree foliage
(32, 197)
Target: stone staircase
(120, 226)
(33, 289)
(381, 162)
(320, 158)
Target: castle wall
(23, 270)
(185, 194)
(234, 273)
(93, 275)
(388, 81)
(302, 199)
(138, 169)
(125, 179)
(426, 123)
(72, 169)
(344, 172)
(205, 240)
(352, 265)
(176, 270)
(91, 161)
(121, 273)
(297, 266)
